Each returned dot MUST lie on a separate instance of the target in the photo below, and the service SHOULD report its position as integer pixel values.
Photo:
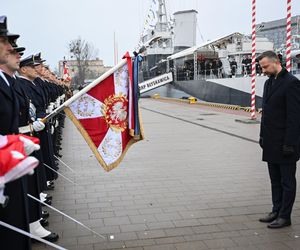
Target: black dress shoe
(45, 214)
(48, 202)
(50, 187)
(269, 218)
(50, 182)
(49, 197)
(53, 237)
(44, 222)
(279, 223)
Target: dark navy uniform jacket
(16, 212)
(45, 89)
(36, 95)
(9, 108)
(23, 100)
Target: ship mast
(162, 22)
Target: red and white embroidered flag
(102, 115)
(14, 162)
(66, 74)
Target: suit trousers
(283, 185)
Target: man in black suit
(280, 136)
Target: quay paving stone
(183, 187)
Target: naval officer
(16, 211)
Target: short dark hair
(269, 54)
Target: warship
(214, 71)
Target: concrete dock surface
(196, 182)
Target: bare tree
(82, 51)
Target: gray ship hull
(235, 91)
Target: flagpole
(84, 90)
(253, 62)
(288, 35)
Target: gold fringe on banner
(92, 146)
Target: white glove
(38, 125)
(50, 109)
(52, 129)
(16, 154)
(29, 146)
(31, 172)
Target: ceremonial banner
(104, 114)
(66, 75)
(14, 159)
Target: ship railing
(188, 74)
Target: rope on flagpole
(69, 217)
(288, 35)
(20, 231)
(253, 73)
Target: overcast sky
(48, 25)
